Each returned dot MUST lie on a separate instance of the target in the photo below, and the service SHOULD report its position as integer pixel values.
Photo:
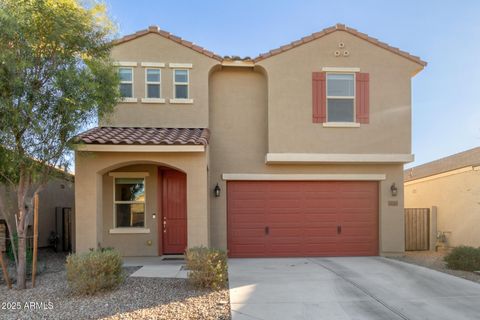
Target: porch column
(197, 207)
(88, 204)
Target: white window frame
(337, 124)
(175, 83)
(128, 99)
(135, 175)
(159, 83)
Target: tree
(56, 77)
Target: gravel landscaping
(434, 260)
(136, 298)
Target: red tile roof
(145, 136)
(168, 35)
(294, 44)
(340, 27)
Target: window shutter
(319, 97)
(362, 97)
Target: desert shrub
(463, 258)
(94, 271)
(208, 267)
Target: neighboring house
(292, 153)
(55, 211)
(452, 184)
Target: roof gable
(341, 27)
(168, 35)
(294, 44)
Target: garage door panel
(280, 217)
(326, 230)
(302, 218)
(248, 218)
(320, 215)
(355, 203)
(249, 230)
(357, 219)
(248, 203)
(279, 231)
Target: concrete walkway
(156, 267)
(347, 288)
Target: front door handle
(267, 230)
(339, 229)
(164, 225)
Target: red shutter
(362, 97)
(319, 97)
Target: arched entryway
(96, 220)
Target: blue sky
(446, 95)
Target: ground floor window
(129, 202)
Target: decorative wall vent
(343, 52)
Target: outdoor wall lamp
(216, 191)
(394, 190)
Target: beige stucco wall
(94, 206)
(250, 112)
(155, 48)
(457, 198)
(290, 98)
(57, 193)
(238, 117)
(127, 243)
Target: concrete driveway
(347, 288)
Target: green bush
(94, 271)
(463, 258)
(29, 252)
(208, 267)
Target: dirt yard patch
(136, 298)
(434, 260)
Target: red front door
(173, 224)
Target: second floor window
(126, 82)
(153, 82)
(180, 83)
(340, 97)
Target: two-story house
(297, 152)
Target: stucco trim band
(139, 148)
(129, 230)
(180, 65)
(313, 158)
(128, 174)
(128, 100)
(303, 177)
(181, 101)
(341, 125)
(153, 64)
(339, 69)
(125, 63)
(153, 100)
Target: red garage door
(302, 218)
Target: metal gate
(417, 229)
